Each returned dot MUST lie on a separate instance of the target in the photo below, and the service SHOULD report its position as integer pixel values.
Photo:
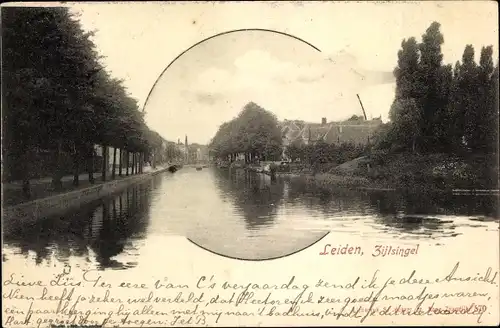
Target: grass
(406, 171)
(439, 171)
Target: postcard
(210, 164)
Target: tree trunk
(120, 163)
(57, 175)
(127, 162)
(104, 162)
(113, 170)
(136, 162)
(133, 164)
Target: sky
(211, 82)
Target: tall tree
(481, 128)
(407, 106)
(494, 110)
(442, 118)
(455, 112)
(407, 71)
(468, 95)
(432, 101)
(56, 94)
(407, 120)
(254, 133)
(458, 105)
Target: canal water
(243, 215)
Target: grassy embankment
(406, 171)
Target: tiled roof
(314, 132)
(350, 133)
(333, 132)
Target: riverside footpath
(46, 201)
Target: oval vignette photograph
(182, 164)
(238, 108)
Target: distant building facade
(192, 153)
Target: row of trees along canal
(59, 98)
(443, 111)
(440, 108)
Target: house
(353, 130)
(198, 153)
(290, 130)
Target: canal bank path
(12, 193)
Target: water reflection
(222, 210)
(255, 196)
(99, 231)
(332, 201)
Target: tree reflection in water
(108, 227)
(414, 211)
(107, 231)
(254, 195)
(332, 201)
(257, 197)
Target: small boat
(198, 168)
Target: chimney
(323, 121)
